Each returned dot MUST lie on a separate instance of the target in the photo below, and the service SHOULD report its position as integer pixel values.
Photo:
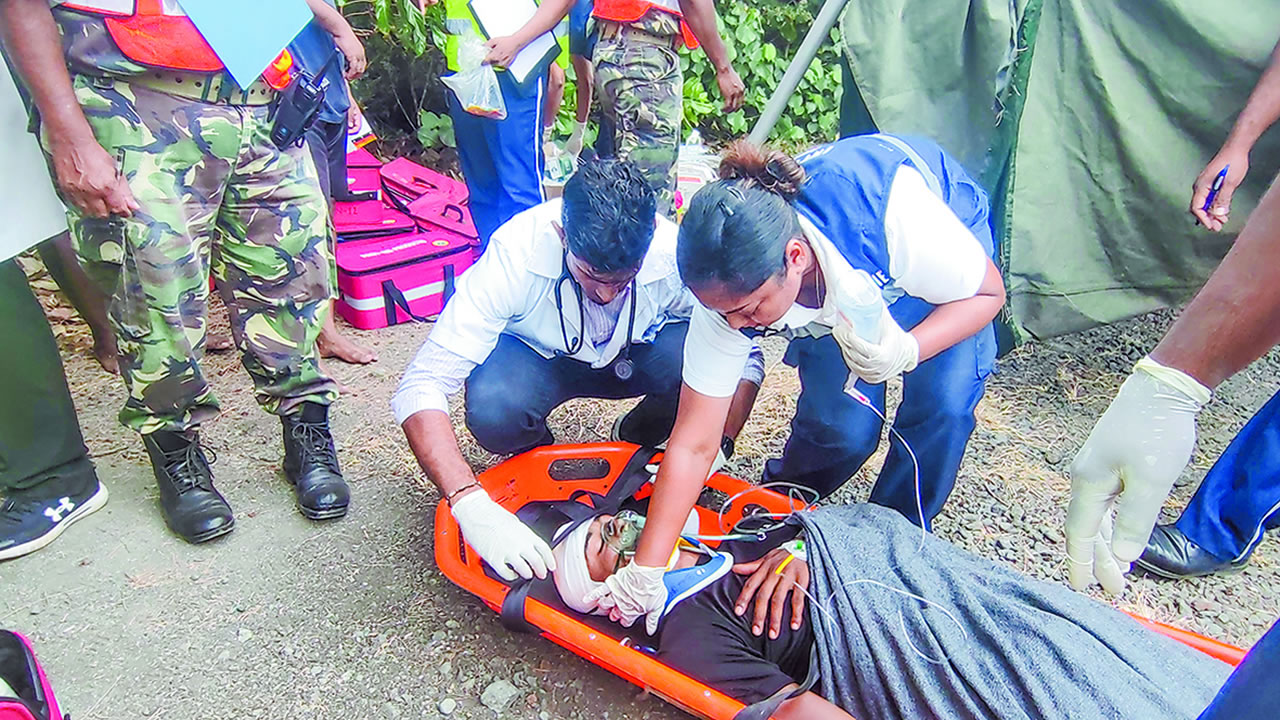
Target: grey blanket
(1028, 648)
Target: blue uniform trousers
(1240, 496)
(510, 395)
(501, 159)
(1251, 693)
(832, 435)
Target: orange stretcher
(556, 473)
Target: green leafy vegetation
(404, 98)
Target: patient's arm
(809, 706)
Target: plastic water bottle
(859, 303)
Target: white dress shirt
(512, 289)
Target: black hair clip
(731, 191)
(776, 170)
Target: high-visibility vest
(629, 11)
(158, 33)
(459, 22)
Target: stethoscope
(623, 367)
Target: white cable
(915, 463)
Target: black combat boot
(192, 507)
(311, 463)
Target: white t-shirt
(932, 256)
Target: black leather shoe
(192, 507)
(311, 464)
(1172, 555)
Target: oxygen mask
(621, 533)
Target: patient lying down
(900, 631)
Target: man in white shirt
(574, 298)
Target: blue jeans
(1251, 693)
(511, 394)
(501, 159)
(832, 435)
(1240, 496)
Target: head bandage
(572, 578)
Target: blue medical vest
(848, 189)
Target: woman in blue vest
(873, 256)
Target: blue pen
(1213, 190)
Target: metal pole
(813, 40)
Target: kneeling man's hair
(608, 215)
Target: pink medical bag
(364, 180)
(432, 210)
(386, 281)
(20, 671)
(361, 158)
(409, 181)
(369, 219)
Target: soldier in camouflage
(641, 88)
(169, 176)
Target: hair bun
(768, 169)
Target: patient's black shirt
(704, 639)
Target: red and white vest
(629, 11)
(156, 33)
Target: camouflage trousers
(638, 81)
(216, 196)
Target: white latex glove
(716, 465)
(1129, 462)
(896, 353)
(633, 592)
(504, 542)
(574, 144)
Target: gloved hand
(504, 542)
(574, 145)
(632, 592)
(896, 353)
(1129, 462)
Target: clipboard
(505, 17)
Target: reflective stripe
(108, 7)
(376, 303)
(670, 5)
(128, 7)
(930, 178)
(458, 26)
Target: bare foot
(332, 344)
(106, 353)
(217, 342)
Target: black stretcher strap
(544, 518)
(765, 709)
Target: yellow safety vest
(459, 22)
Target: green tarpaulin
(1087, 120)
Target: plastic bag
(475, 83)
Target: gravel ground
(351, 619)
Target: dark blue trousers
(832, 435)
(501, 159)
(511, 394)
(1239, 498)
(1251, 693)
